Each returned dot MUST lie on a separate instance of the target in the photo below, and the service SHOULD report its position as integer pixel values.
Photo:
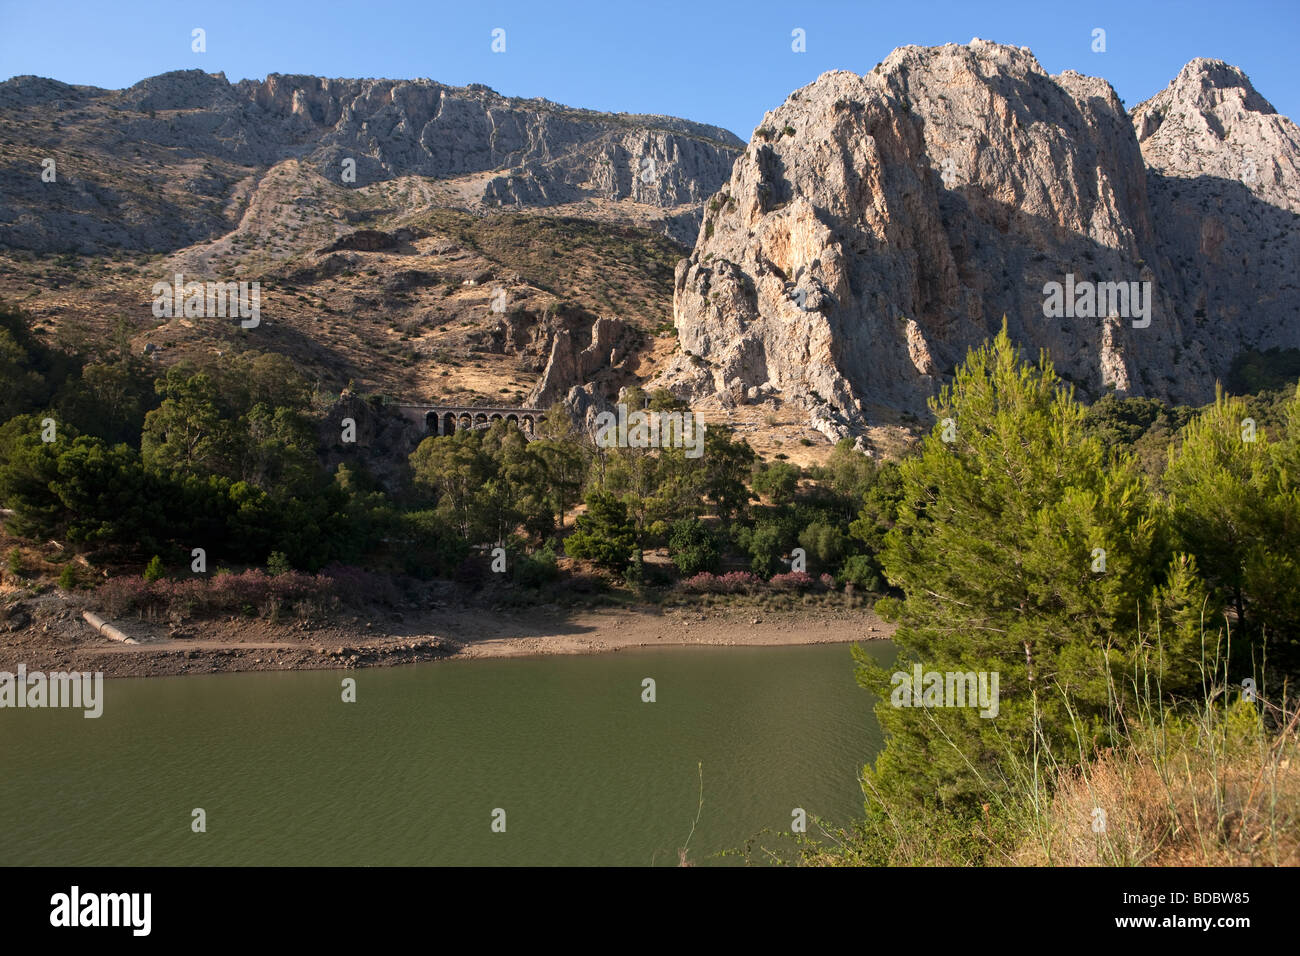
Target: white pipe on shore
(108, 630)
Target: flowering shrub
(794, 581)
(827, 581)
(238, 593)
(733, 582)
(120, 595)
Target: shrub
(764, 544)
(356, 587)
(633, 574)
(234, 593)
(540, 567)
(605, 534)
(154, 570)
(794, 581)
(277, 564)
(121, 595)
(584, 582)
(692, 547)
(734, 582)
(861, 571)
(777, 481)
(68, 577)
(471, 572)
(824, 542)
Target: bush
(764, 544)
(154, 570)
(633, 574)
(277, 564)
(861, 571)
(824, 542)
(734, 582)
(238, 593)
(68, 577)
(777, 482)
(429, 546)
(540, 567)
(358, 587)
(605, 534)
(794, 581)
(471, 572)
(692, 547)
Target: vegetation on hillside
(1143, 631)
(1129, 571)
(604, 268)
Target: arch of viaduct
(449, 419)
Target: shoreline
(59, 640)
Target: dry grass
(1216, 791)
(1207, 782)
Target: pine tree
(605, 534)
(1021, 547)
(1217, 486)
(1273, 576)
(1234, 497)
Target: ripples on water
(410, 774)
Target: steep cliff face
(1223, 176)
(162, 164)
(878, 226)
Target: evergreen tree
(777, 482)
(1217, 482)
(996, 549)
(1274, 575)
(605, 534)
(1234, 499)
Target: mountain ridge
(878, 226)
(543, 154)
(841, 262)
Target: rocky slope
(471, 216)
(174, 159)
(874, 228)
(878, 226)
(1223, 178)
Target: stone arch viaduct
(448, 419)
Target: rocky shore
(47, 632)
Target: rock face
(594, 360)
(205, 136)
(878, 226)
(1223, 177)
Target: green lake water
(411, 773)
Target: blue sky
(715, 62)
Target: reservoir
(584, 769)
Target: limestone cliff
(168, 162)
(878, 226)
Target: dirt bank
(47, 633)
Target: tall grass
(1211, 781)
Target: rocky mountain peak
(180, 90)
(1211, 121)
(1206, 84)
(878, 226)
